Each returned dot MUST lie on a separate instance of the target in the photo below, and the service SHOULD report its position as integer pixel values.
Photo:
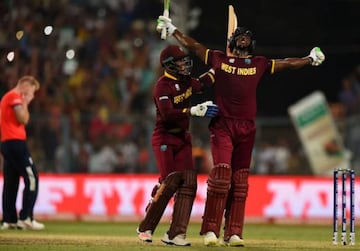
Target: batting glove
(206, 109)
(165, 22)
(317, 56)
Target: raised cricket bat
(166, 14)
(232, 24)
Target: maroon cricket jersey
(236, 81)
(172, 99)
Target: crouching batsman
(232, 132)
(171, 143)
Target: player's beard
(241, 51)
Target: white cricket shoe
(235, 241)
(6, 226)
(210, 239)
(30, 224)
(145, 236)
(178, 240)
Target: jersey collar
(168, 75)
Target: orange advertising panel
(127, 196)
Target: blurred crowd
(96, 68)
(349, 94)
(97, 63)
(347, 113)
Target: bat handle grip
(163, 31)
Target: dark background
(289, 28)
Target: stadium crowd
(94, 96)
(94, 111)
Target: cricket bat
(232, 24)
(166, 14)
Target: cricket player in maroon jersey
(17, 159)
(171, 143)
(233, 130)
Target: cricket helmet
(235, 35)
(170, 58)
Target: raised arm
(188, 42)
(315, 58)
(191, 44)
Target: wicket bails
(344, 173)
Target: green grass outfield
(106, 236)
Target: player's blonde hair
(32, 80)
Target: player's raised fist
(160, 25)
(317, 56)
(162, 22)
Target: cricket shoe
(210, 239)
(7, 226)
(30, 224)
(145, 236)
(178, 240)
(235, 241)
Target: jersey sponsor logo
(181, 97)
(237, 70)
